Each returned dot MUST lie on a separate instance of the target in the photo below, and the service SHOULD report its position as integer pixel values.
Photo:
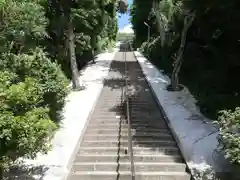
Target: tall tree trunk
(188, 20)
(1, 172)
(161, 28)
(93, 55)
(93, 45)
(72, 55)
(1, 16)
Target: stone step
(136, 150)
(141, 103)
(125, 158)
(149, 143)
(153, 116)
(117, 97)
(135, 125)
(106, 99)
(107, 117)
(133, 133)
(125, 175)
(104, 107)
(139, 167)
(109, 104)
(138, 107)
(124, 121)
(136, 137)
(125, 130)
(151, 108)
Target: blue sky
(124, 19)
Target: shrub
(48, 79)
(144, 48)
(25, 135)
(24, 125)
(23, 96)
(23, 24)
(229, 136)
(153, 51)
(32, 89)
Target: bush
(23, 96)
(144, 48)
(23, 25)
(24, 125)
(25, 135)
(153, 51)
(32, 89)
(229, 136)
(48, 79)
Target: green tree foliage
(32, 87)
(93, 21)
(139, 14)
(22, 25)
(211, 56)
(229, 134)
(122, 6)
(51, 81)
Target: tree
(188, 20)
(204, 38)
(32, 87)
(139, 13)
(72, 54)
(165, 12)
(122, 6)
(36, 37)
(67, 12)
(84, 21)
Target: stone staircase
(103, 152)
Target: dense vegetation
(42, 44)
(197, 41)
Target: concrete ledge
(57, 163)
(194, 133)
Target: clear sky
(124, 19)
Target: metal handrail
(130, 149)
